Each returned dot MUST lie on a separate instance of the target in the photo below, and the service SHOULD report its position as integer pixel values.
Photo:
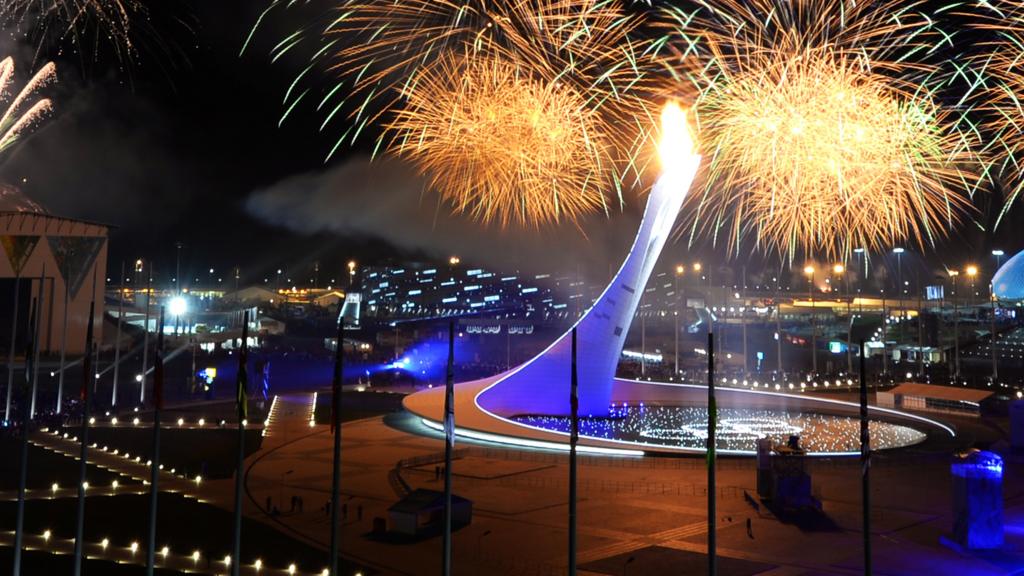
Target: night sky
(176, 149)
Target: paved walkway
(519, 497)
(135, 474)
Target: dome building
(1008, 282)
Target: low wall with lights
(477, 421)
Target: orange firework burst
(820, 136)
(503, 147)
(581, 59)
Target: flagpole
(145, 337)
(865, 460)
(35, 345)
(574, 404)
(19, 531)
(83, 456)
(63, 336)
(14, 340)
(242, 400)
(117, 339)
(154, 467)
(449, 444)
(712, 490)
(336, 381)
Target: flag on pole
(574, 397)
(30, 344)
(243, 377)
(158, 365)
(87, 361)
(449, 392)
(339, 356)
(713, 424)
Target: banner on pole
(18, 250)
(75, 256)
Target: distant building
(270, 326)
(422, 290)
(1008, 282)
(253, 295)
(933, 398)
(71, 257)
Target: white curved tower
(541, 385)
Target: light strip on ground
(528, 443)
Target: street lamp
(809, 271)
(999, 257)
(351, 272)
(899, 278)
(178, 306)
(972, 273)
(992, 330)
(840, 270)
(778, 327)
(680, 269)
(955, 275)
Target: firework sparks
(390, 62)
(994, 70)
(86, 27)
(502, 147)
(21, 116)
(821, 136)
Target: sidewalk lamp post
(778, 327)
(840, 271)
(809, 271)
(955, 275)
(899, 280)
(992, 331)
(680, 269)
(862, 263)
(972, 273)
(697, 267)
(351, 272)
(999, 257)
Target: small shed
(254, 295)
(421, 511)
(932, 398)
(271, 326)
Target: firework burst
(502, 147)
(90, 28)
(72, 20)
(995, 71)
(390, 63)
(820, 125)
(22, 113)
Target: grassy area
(183, 525)
(45, 468)
(357, 405)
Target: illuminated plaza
(512, 288)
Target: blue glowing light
(980, 464)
